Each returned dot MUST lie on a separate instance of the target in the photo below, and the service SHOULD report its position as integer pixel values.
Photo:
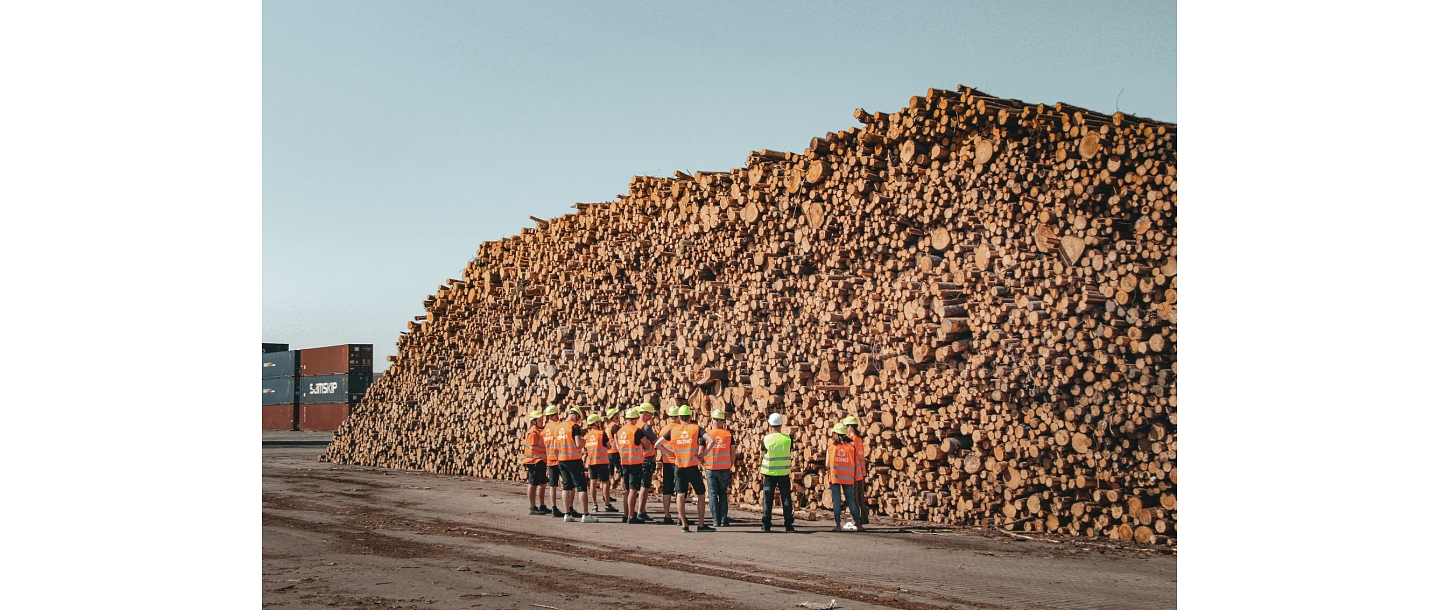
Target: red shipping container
(277, 417)
(323, 418)
(337, 359)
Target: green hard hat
(536, 414)
(551, 410)
(839, 429)
(631, 413)
(683, 410)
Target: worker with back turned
(534, 460)
(685, 440)
(775, 470)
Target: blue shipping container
(279, 391)
(279, 364)
(328, 389)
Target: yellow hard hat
(645, 408)
(536, 414)
(850, 421)
(575, 410)
(594, 418)
(718, 413)
(839, 429)
(631, 413)
(609, 413)
(551, 410)
(683, 410)
(673, 410)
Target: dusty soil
(351, 536)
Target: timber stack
(990, 285)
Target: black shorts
(573, 472)
(554, 475)
(615, 464)
(690, 478)
(647, 474)
(634, 475)
(600, 473)
(667, 479)
(535, 473)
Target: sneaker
(704, 528)
(567, 518)
(574, 515)
(611, 509)
(543, 509)
(555, 512)
(589, 519)
(667, 521)
(634, 521)
(643, 517)
(789, 528)
(536, 511)
(685, 528)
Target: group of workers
(567, 451)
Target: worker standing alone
(775, 468)
(840, 460)
(717, 467)
(534, 461)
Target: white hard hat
(776, 419)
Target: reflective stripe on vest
(685, 439)
(667, 459)
(777, 455)
(630, 453)
(566, 449)
(842, 464)
(534, 447)
(596, 452)
(614, 450)
(552, 456)
(719, 456)
(859, 456)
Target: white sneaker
(567, 518)
(849, 526)
(589, 519)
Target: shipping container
(277, 391)
(315, 418)
(337, 359)
(279, 364)
(325, 389)
(279, 417)
(266, 348)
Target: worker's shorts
(634, 475)
(647, 474)
(667, 478)
(573, 472)
(535, 473)
(690, 478)
(615, 464)
(554, 475)
(600, 473)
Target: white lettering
(324, 388)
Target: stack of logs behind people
(990, 285)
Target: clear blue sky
(398, 136)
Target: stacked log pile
(991, 286)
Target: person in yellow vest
(840, 461)
(852, 428)
(551, 434)
(775, 470)
(687, 443)
(717, 467)
(597, 461)
(646, 440)
(612, 416)
(570, 437)
(632, 461)
(534, 460)
(667, 464)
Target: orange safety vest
(841, 462)
(566, 449)
(596, 453)
(534, 447)
(614, 429)
(552, 455)
(859, 444)
(719, 456)
(647, 446)
(667, 458)
(630, 453)
(685, 440)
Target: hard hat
(575, 410)
(776, 419)
(683, 410)
(850, 421)
(839, 429)
(595, 418)
(551, 410)
(645, 408)
(718, 413)
(673, 410)
(631, 413)
(609, 413)
(536, 414)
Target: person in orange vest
(687, 443)
(613, 427)
(667, 465)
(597, 460)
(840, 461)
(534, 460)
(646, 440)
(551, 435)
(570, 437)
(718, 462)
(852, 427)
(632, 461)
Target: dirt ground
(351, 536)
